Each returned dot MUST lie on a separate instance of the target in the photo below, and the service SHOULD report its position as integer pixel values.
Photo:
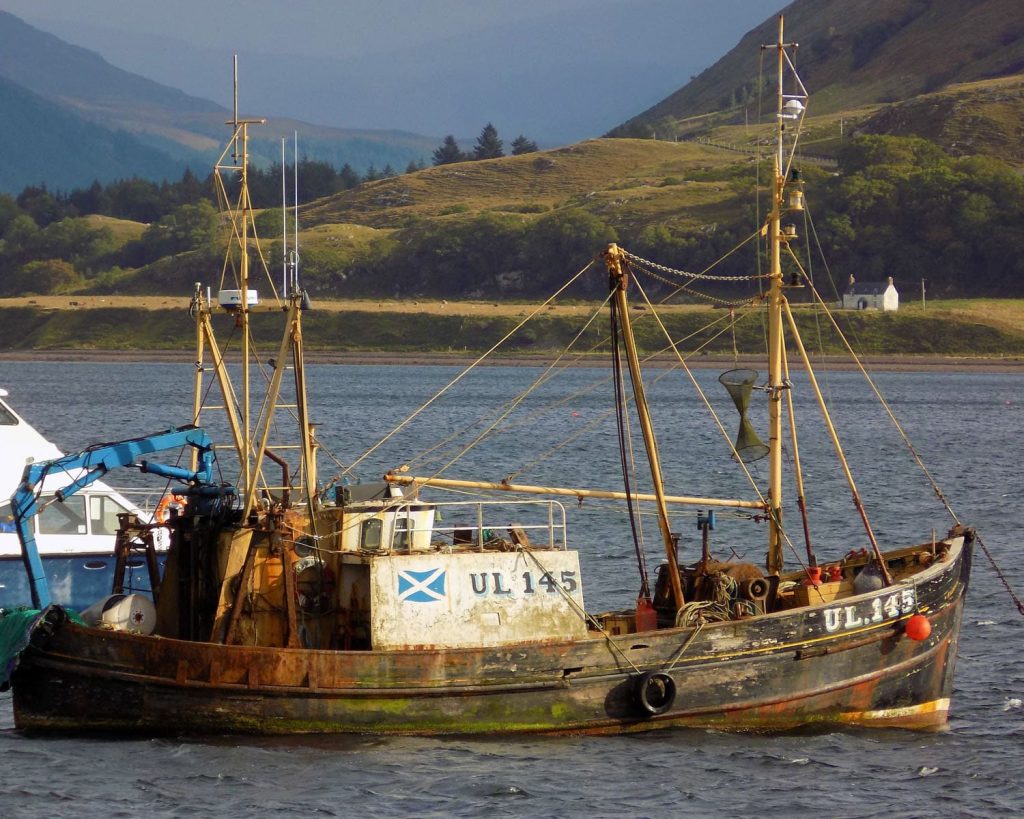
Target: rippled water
(965, 425)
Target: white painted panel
(475, 599)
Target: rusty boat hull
(846, 662)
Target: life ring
(162, 513)
(654, 691)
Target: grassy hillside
(631, 182)
(858, 52)
(992, 328)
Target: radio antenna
(295, 237)
(284, 223)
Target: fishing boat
(292, 606)
(76, 539)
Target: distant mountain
(41, 142)
(80, 78)
(558, 76)
(97, 121)
(858, 52)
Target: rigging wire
(502, 413)
(913, 450)
(605, 415)
(700, 392)
(511, 407)
(459, 377)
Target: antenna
(284, 225)
(295, 243)
(234, 107)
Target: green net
(22, 627)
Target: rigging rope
(515, 403)
(910, 446)
(701, 393)
(600, 418)
(460, 376)
(781, 529)
(542, 379)
(588, 618)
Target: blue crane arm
(96, 462)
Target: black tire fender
(654, 692)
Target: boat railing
(144, 499)
(488, 524)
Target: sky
(559, 70)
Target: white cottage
(871, 295)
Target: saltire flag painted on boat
(421, 587)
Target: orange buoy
(918, 627)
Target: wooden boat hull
(846, 662)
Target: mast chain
(683, 273)
(695, 293)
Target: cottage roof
(867, 288)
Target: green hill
(856, 53)
(940, 208)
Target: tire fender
(654, 692)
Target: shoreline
(907, 363)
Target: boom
(94, 463)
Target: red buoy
(918, 627)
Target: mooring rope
(999, 573)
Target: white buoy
(122, 612)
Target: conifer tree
(448, 152)
(522, 145)
(347, 177)
(488, 146)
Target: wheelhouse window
(403, 534)
(6, 518)
(370, 534)
(7, 418)
(103, 512)
(67, 518)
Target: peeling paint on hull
(775, 672)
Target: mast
(791, 107)
(776, 299)
(620, 281)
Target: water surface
(966, 427)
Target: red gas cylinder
(813, 576)
(646, 616)
(918, 627)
